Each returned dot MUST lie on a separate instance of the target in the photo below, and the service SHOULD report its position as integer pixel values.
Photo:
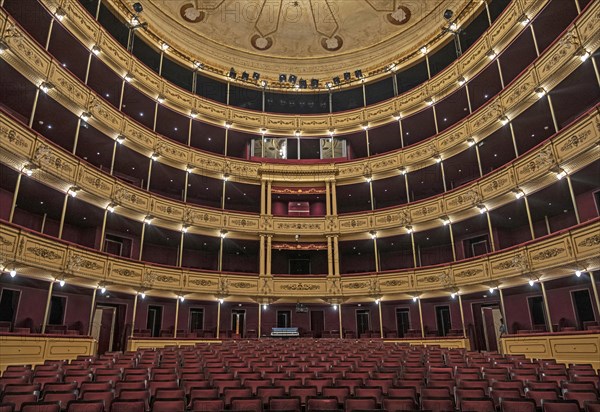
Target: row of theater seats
(301, 375)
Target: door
(402, 321)
(154, 321)
(284, 318)
(317, 323)
(9, 303)
(196, 319)
(537, 312)
(442, 316)
(103, 328)
(238, 322)
(584, 311)
(362, 321)
(491, 325)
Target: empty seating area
(300, 375)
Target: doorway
(491, 316)
(103, 328)
(584, 312)
(238, 322)
(442, 317)
(537, 312)
(9, 304)
(196, 319)
(363, 320)
(154, 321)
(402, 321)
(317, 323)
(284, 318)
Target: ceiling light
(560, 173)
(226, 176)
(282, 78)
(491, 54)
(181, 298)
(293, 78)
(232, 74)
(445, 220)
(314, 83)
(409, 229)
(524, 20)
(365, 126)
(397, 116)
(504, 120)
(297, 133)
(373, 234)
(423, 50)
(492, 290)
(335, 306)
(154, 156)
(358, 74)
(331, 132)
(3, 47)
(164, 46)
(328, 85)
(228, 124)
(263, 131)
(518, 193)
(369, 178)
(194, 114)
(61, 282)
(143, 295)
(185, 228)
(223, 233)
(415, 298)
(438, 158)
(578, 273)
(263, 83)
(245, 76)
(128, 77)
(160, 98)
(582, 53)
(103, 290)
(402, 170)
(453, 27)
(46, 87)
(85, 116)
(377, 301)
(482, 208)
(111, 207)
(461, 81)
(453, 295)
(336, 80)
(60, 14)
(198, 65)
(429, 101)
(96, 49)
(189, 168)
(471, 142)
(220, 301)
(28, 169)
(13, 273)
(540, 91)
(148, 219)
(120, 139)
(73, 191)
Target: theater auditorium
(298, 206)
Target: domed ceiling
(309, 38)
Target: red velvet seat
(246, 404)
(128, 405)
(497, 394)
(303, 392)
(477, 405)
(393, 404)
(203, 393)
(540, 395)
(359, 404)
(324, 403)
(230, 393)
(437, 404)
(121, 386)
(340, 392)
(169, 405)
(267, 392)
(206, 405)
(19, 399)
(62, 396)
(136, 395)
(40, 407)
(105, 396)
(592, 407)
(581, 396)
(560, 406)
(285, 403)
(7, 407)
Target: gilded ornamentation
(590, 241)
(469, 273)
(542, 161)
(12, 137)
(429, 279)
(202, 282)
(395, 282)
(518, 261)
(356, 285)
(299, 246)
(300, 286)
(44, 253)
(4, 241)
(128, 273)
(548, 253)
(574, 141)
(241, 285)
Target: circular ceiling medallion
(333, 43)
(191, 14)
(400, 16)
(261, 43)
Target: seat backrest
(356, 404)
(7, 407)
(539, 395)
(19, 399)
(128, 405)
(267, 392)
(560, 406)
(340, 392)
(496, 394)
(230, 393)
(285, 403)
(246, 404)
(436, 404)
(369, 391)
(393, 404)
(592, 407)
(477, 405)
(40, 407)
(85, 406)
(106, 396)
(325, 403)
(435, 392)
(517, 405)
(169, 405)
(60, 396)
(581, 396)
(207, 405)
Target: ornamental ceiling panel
(305, 37)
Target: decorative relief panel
(15, 138)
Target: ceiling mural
(297, 34)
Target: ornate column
(339, 307)
(462, 316)
(330, 271)
(269, 254)
(547, 307)
(47, 311)
(218, 318)
(336, 256)
(135, 302)
(421, 317)
(380, 319)
(92, 310)
(177, 299)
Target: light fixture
(331, 132)
(518, 193)
(409, 229)
(85, 116)
(60, 14)
(429, 101)
(297, 133)
(328, 85)
(46, 87)
(103, 290)
(423, 50)
(73, 191)
(111, 207)
(453, 27)
(393, 67)
(491, 54)
(263, 83)
(154, 156)
(232, 74)
(245, 76)
(540, 91)
(482, 208)
(3, 46)
(415, 298)
(220, 301)
(164, 46)
(282, 78)
(358, 74)
(61, 282)
(223, 233)
(143, 295)
(377, 301)
(96, 49)
(531, 282)
(582, 53)
(228, 124)
(148, 219)
(181, 298)
(198, 65)
(128, 77)
(560, 173)
(13, 273)
(28, 169)
(445, 220)
(492, 290)
(160, 98)
(373, 234)
(263, 131)
(504, 120)
(402, 170)
(185, 228)
(524, 20)
(314, 83)
(194, 114)
(471, 142)
(461, 81)
(437, 158)
(368, 178)
(453, 295)
(293, 78)
(335, 306)
(226, 176)
(365, 126)
(578, 273)
(337, 80)
(397, 116)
